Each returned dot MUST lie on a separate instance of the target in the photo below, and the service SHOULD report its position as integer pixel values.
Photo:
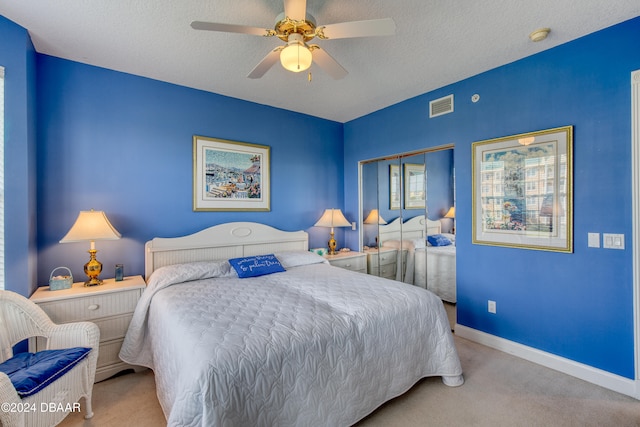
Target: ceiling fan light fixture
(296, 56)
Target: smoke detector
(539, 34)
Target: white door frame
(635, 241)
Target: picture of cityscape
(232, 174)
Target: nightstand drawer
(388, 271)
(382, 259)
(354, 263)
(383, 262)
(91, 307)
(109, 353)
(113, 327)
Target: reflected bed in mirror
(426, 256)
(395, 189)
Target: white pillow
(451, 237)
(298, 258)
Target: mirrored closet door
(407, 218)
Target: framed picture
(394, 187)
(230, 176)
(523, 191)
(414, 186)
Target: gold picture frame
(523, 190)
(415, 186)
(230, 175)
(394, 187)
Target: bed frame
(414, 228)
(224, 241)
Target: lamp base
(93, 282)
(93, 269)
(332, 245)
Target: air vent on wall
(441, 106)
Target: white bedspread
(435, 272)
(315, 345)
(441, 272)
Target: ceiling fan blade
(343, 30)
(266, 63)
(231, 28)
(327, 63)
(295, 9)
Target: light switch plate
(612, 241)
(594, 240)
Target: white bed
(432, 267)
(315, 345)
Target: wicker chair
(20, 319)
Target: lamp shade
(374, 218)
(451, 213)
(333, 218)
(91, 225)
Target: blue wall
(579, 305)
(17, 55)
(123, 144)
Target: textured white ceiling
(438, 42)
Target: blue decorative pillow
(31, 372)
(256, 265)
(438, 240)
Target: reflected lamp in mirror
(451, 213)
(332, 218)
(91, 226)
(374, 218)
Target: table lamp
(332, 218)
(91, 226)
(451, 213)
(375, 218)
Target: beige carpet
(499, 390)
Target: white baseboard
(584, 372)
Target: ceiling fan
(296, 27)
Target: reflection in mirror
(405, 199)
(416, 174)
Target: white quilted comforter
(314, 346)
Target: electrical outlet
(491, 307)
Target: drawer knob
(93, 307)
(347, 265)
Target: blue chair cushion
(31, 372)
(256, 265)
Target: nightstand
(354, 261)
(382, 262)
(110, 306)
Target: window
(1, 178)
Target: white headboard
(414, 228)
(224, 241)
